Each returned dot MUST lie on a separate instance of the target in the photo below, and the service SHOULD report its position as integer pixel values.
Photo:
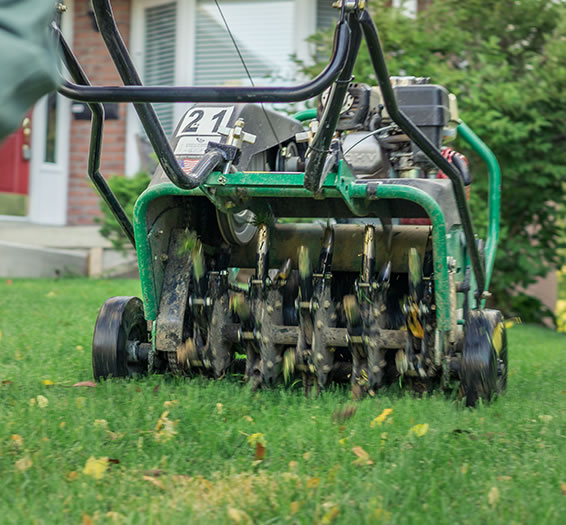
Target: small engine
(373, 145)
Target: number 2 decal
(192, 127)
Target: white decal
(205, 120)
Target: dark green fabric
(28, 67)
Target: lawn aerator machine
(335, 245)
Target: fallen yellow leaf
(72, 476)
(47, 382)
(96, 467)
(17, 440)
(493, 496)
(32, 402)
(255, 438)
(381, 418)
(295, 506)
(363, 457)
(101, 423)
(563, 488)
(170, 404)
(248, 419)
(331, 514)
(165, 428)
(79, 348)
(419, 430)
(238, 516)
(86, 520)
(381, 514)
(312, 483)
(219, 408)
(307, 455)
(293, 465)
(23, 464)
(42, 401)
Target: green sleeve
(28, 65)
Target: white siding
(263, 30)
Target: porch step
(25, 260)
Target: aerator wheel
(483, 369)
(119, 330)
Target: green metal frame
(224, 191)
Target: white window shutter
(326, 15)
(266, 48)
(160, 23)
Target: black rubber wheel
(120, 320)
(483, 369)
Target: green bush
(127, 190)
(506, 62)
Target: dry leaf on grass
(313, 483)
(17, 441)
(96, 467)
(72, 476)
(363, 457)
(88, 384)
(157, 482)
(23, 464)
(238, 516)
(504, 478)
(332, 511)
(42, 401)
(295, 506)
(419, 430)
(381, 418)
(493, 496)
(563, 488)
(165, 428)
(259, 452)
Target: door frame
(48, 184)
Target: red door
(14, 171)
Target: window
(266, 49)
(160, 23)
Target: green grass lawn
(504, 463)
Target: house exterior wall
(83, 202)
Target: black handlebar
(347, 38)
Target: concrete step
(25, 260)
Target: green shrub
(127, 190)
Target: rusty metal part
(289, 335)
(284, 239)
(174, 297)
(217, 353)
(262, 253)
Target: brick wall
(83, 201)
